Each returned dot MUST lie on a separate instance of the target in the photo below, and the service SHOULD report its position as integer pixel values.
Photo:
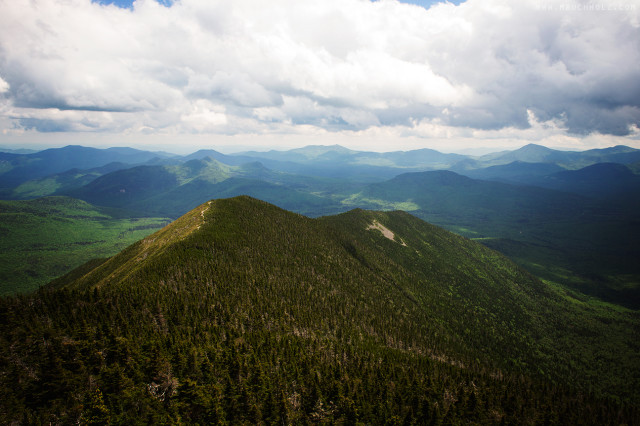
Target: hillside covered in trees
(241, 312)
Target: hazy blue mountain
(516, 172)
(232, 160)
(61, 183)
(8, 159)
(124, 188)
(364, 173)
(423, 157)
(172, 190)
(319, 161)
(634, 167)
(533, 153)
(617, 154)
(467, 164)
(321, 169)
(338, 162)
(305, 154)
(596, 172)
(18, 151)
(336, 154)
(16, 169)
(180, 199)
(602, 180)
(273, 164)
(530, 153)
(458, 199)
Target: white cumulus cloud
(287, 66)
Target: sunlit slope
(44, 238)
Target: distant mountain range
(18, 151)
(601, 180)
(320, 161)
(58, 171)
(533, 153)
(18, 168)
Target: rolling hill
(61, 183)
(172, 190)
(242, 312)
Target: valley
(47, 237)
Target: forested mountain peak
(243, 312)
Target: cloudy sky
(380, 75)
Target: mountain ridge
(241, 311)
(19, 168)
(420, 250)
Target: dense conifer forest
(242, 313)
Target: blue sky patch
(127, 4)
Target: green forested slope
(44, 238)
(60, 183)
(242, 312)
(582, 243)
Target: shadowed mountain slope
(516, 172)
(61, 183)
(568, 238)
(602, 180)
(172, 190)
(446, 197)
